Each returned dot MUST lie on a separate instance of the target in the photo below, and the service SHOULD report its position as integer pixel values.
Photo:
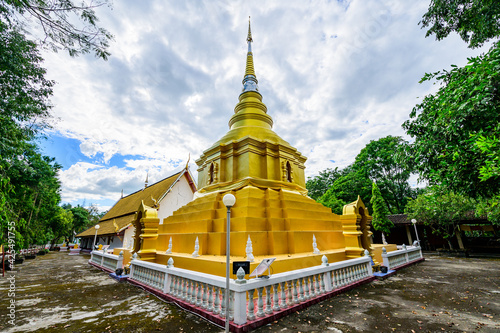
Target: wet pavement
(62, 293)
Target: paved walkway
(62, 293)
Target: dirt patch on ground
(58, 292)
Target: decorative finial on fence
(170, 263)
(120, 254)
(404, 246)
(134, 256)
(196, 248)
(367, 253)
(240, 274)
(384, 250)
(169, 250)
(324, 261)
(249, 250)
(315, 246)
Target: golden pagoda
(272, 214)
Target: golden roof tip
(249, 37)
(187, 163)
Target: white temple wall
(180, 195)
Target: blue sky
(334, 75)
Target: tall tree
(446, 126)
(441, 210)
(380, 222)
(378, 160)
(318, 185)
(330, 200)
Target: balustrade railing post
(406, 253)
(385, 258)
(269, 309)
(276, 306)
(223, 304)
(368, 264)
(166, 283)
(119, 263)
(283, 295)
(251, 305)
(216, 309)
(327, 277)
(210, 292)
(260, 303)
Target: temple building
(116, 227)
(273, 217)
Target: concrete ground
(62, 293)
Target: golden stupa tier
(280, 224)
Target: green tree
(489, 146)
(476, 21)
(65, 24)
(441, 210)
(330, 200)
(378, 160)
(61, 225)
(318, 185)
(447, 126)
(380, 221)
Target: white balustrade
(274, 294)
(106, 260)
(401, 257)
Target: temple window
(211, 174)
(288, 172)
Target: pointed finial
(146, 183)
(187, 163)
(249, 37)
(250, 82)
(122, 193)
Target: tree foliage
(379, 161)
(448, 126)
(441, 210)
(318, 185)
(476, 21)
(330, 200)
(29, 188)
(380, 222)
(489, 145)
(61, 24)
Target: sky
(333, 74)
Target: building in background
(117, 228)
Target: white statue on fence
(249, 250)
(196, 248)
(169, 250)
(315, 246)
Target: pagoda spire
(250, 79)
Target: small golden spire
(250, 79)
(249, 38)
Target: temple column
(149, 232)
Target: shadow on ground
(58, 292)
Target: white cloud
(334, 76)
